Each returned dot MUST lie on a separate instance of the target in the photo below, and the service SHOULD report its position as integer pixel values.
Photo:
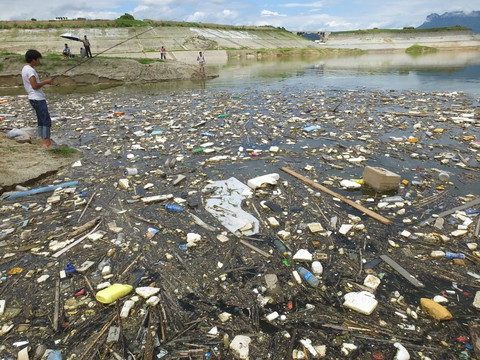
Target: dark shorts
(44, 122)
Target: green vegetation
(126, 20)
(406, 30)
(148, 61)
(64, 151)
(419, 50)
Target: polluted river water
(196, 289)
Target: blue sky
(318, 15)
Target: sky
(293, 15)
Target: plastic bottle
(113, 292)
(130, 171)
(308, 276)
(174, 207)
(280, 247)
(54, 355)
(197, 150)
(450, 255)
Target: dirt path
(23, 163)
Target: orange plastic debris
(15, 270)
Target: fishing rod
(100, 53)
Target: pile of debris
(249, 225)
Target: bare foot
(47, 143)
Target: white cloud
(332, 15)
(266, 13)
(317, 4)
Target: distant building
(61, 18)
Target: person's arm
(38, 85)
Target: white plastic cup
(443, 176)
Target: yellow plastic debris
(435, 310)
(15, 270)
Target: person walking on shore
(86, 43)
(36, 96)
(201, 62)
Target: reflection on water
(444, 71)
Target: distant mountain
(468, 20)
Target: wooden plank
(409, 277)
(452, 211)
(254, 248)
(326, 190)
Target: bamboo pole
(352, 203)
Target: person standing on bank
(201, 62)
(86, 43)
(36, 96)
(163, 53)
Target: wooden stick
(149, 341)
(100, 334)
(163, 317)
(409, 277)
(254, 248)
(86, 206)
(89, 286)
(451, 211)
(86, 226)
(65, 249)
(129, 266)
(352, 203)
(57, 305)
(148, 221)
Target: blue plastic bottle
(451, 255)
(308, 276)
(174, 207)
(54, 355)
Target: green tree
(127, 17)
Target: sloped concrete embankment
(181, 43)
(386, 41)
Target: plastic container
(53, 355)
(280, 247)
(174, 207)
(113, 292)
(451, 255)
(130, 171)
(443, 176)
(308, 277)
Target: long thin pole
(352, 203)
(100, 53)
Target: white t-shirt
(27, 72)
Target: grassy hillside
(118, 23)
(407, 30)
